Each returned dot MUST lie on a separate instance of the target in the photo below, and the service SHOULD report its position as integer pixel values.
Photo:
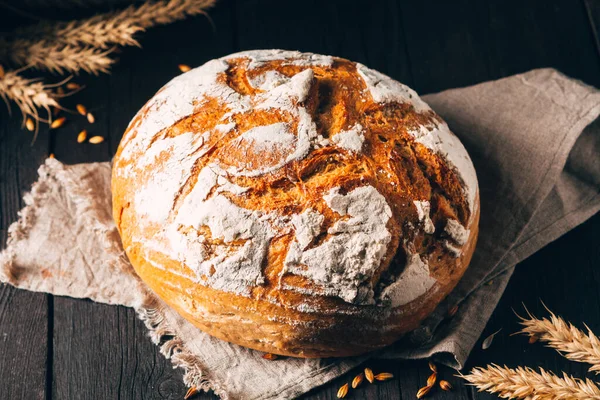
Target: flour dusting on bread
(295, 203)
(436, 135)
(193, 185)
(259, 57)
(307, 227)
(384, 89)
(414, 282)
(155, 199)
(351, 139)
(423, 209)
(344, 263)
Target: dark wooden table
(59, 348)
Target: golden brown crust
(293, 308)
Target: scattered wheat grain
(82, 136)
(383, 376)
(432, 378)
(432, 366)
(369, 375)
(343, 391)
(99, 139)
(191, 392)
(423, 392)
(57, 123)
(358, 379)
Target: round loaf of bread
(294, 203)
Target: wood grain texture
(563, 275)
(593, 11)
(24, 345)
(99, 351)
(478, 41)
(469, 42)
(103, 351)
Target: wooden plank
(369, 34)
(467, 42)
(593, 11)
(409, 377)
(103, 351)
(564, 275)
(24, 361)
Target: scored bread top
(270, 171)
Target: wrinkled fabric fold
(534, 139)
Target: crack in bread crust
(214, 173)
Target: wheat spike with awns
(525, 383)
(76, 46)
(85, 45)
(569, 341)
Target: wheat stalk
(569, 341)
(166, 12)
(60, 59)
(117, 27)
(66, 4)
(100, 31)
(109, 28)
(28, 94)
(525, 383)
(85, 44)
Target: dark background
(57, 348)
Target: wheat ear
(165, 12)
(569, 341)
(60, 59)
(100, 31)
(29, 95)
(105, 30)
(85, 45)
(525, 383)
